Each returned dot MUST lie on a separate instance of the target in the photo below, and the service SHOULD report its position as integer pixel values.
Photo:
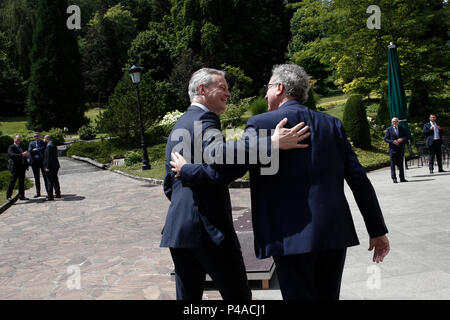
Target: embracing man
(199, 226)
(300, 214)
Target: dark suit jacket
(51, 157)
(39, 151)
(195, 209)
(15, 159)
(429, 134)
(303, 207)
(390, 136)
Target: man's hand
(432, 127)
(439, 127)
(26, 154)
(381, 245)
(287, 139)
(400, 140)
(47, 170)
(396, 142)
(177, 163)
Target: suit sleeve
(426, 130)
(362, 189)
(14, 155)
(387, 137)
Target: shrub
(5, 142)
(259, 105)
(419, 105)
(311, 102)
(234, 112)
(87, 133)
(132, 157)
(168, 121)
(355, 122)
(57, 135)
(3, 163)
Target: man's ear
(201, 90)
(280, 89)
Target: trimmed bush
(259, 105)
(5, 176)
(57, 135)
(87, 133)
(5, 142)
(132, 157)
(383, 116)
(3, 163)
(311, 102)
(355, 122)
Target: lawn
(13, 126)
(92, 114)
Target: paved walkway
(105, 232)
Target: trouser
(311, 276)
(37, 168)
(397, 160)
(435, 150)
(53, 183)
(18, 174)
(224, 264)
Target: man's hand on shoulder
(381, 245)
(286, 139)
(177, 163)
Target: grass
(157, 170)
(13, 126)
(92, 114)
(2, 197)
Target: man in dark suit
(433, 133)
(18, 164)
(396, 137)
(51, 167)
(300, 215)
(36, 149)
(199, 226)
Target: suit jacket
(51, 157)
(429, 134)
(390, 136)
(303, 207)
(38, 153)
(194, 210)
(15, 159)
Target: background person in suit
(300, 215)
(199, 227)
(396, 137)
(432, 131)
(18, 164)
(36, 149)
(51, 167)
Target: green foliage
(311, 102)
(168, 121)
(259, 105)
(5, 142)
(383, 116)
(3, 163)
(5, 176)
(419, 105)
(57, 135)
(355, 122)
(56, 85)
(240, 85)
(132, 157)
(232, 116)
(417, 28)
(87, 133)
(152, 53)
(121, 117)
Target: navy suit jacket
(51, 157)
(16, 160)
(429, 134)
(390, 136)
(39, 151)
(194, 209)
(303, 207)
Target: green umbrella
(396, 93)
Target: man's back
(303, 207)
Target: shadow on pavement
(421, 180)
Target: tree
(355, 122)
(383, 115)
(101, 59)
(121, 116)
(359, 55)
(311, 102)
(55, 93)
(419, 107)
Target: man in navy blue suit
(433, 132)
(17, 160)
(199, 226)
(396, 137)
(300, 215)
(36, 149)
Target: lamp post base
(146, 166)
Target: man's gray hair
(294, 79)
(202, 76)
(49, 137)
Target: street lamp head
(136, 74)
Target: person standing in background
(36, 149)
(51, 167)
(396, 137)
(432, 131)
(18, 164)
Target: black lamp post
(136, 76)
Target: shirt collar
(200, 106)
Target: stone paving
(105, 232)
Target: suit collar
(195, 108)
(290, 103)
